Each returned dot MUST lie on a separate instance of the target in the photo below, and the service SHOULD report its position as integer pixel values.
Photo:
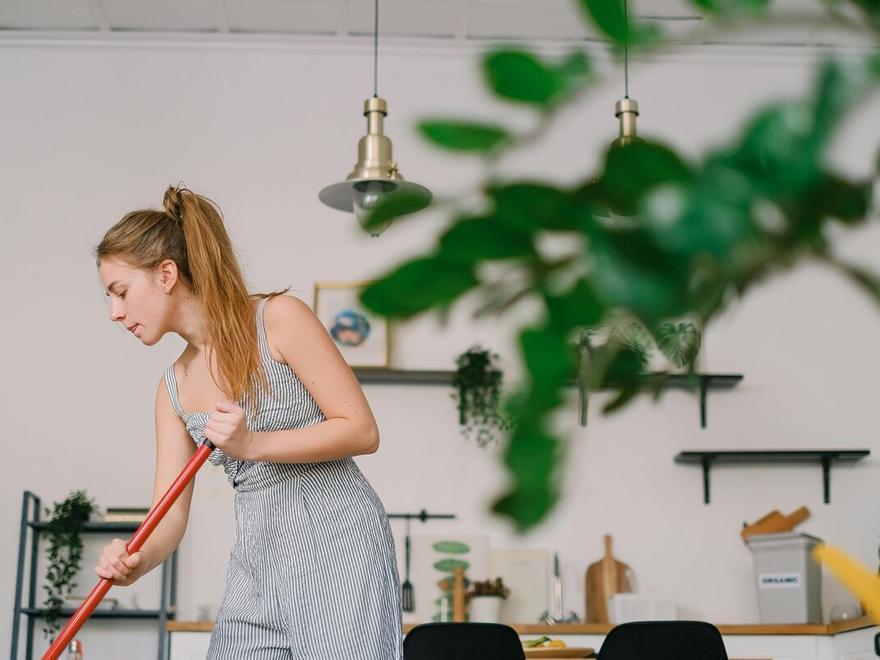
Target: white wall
(92, 130)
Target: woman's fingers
(116, 564)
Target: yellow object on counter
(862, 582)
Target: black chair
(663, 640)
(462, 641)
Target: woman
(312, 573)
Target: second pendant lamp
(376, 176)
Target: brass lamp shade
(375, 176)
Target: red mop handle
(134, 544)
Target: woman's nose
(116, 313)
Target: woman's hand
(227, 430)
(117, 565)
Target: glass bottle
(74, 650)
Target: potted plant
(477, 383)
(484, 600)
(64, 553)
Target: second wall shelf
(702, 382)
(824, 457)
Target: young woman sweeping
(312, 573)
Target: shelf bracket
(826, 477)
(704, 388)
(707, 463)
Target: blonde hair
(190, 231)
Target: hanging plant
(64, 554)
(621, 351)
(477, 383)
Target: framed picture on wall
(361, 336)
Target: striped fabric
(312, 574)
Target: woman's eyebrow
(110, 287)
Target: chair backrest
(663, 640)
(462, 641)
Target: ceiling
(458, 20)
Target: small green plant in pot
(64, 553)
(477, 383)
(484, 600)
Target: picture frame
(363, 338)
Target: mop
(134, 544)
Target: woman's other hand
(227, 430)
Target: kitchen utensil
(605, 578)
(407, 598)
(775, 523)
(556, 616)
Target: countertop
(603, 628)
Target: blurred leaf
(626, 393)
(459, 135)
(531, 206)
(518, 75)
(609, 16)
(391, 206)
(549, 363)
(473, 239)
(630, 272)
(731, 8)
(632, 171)
(533, 457)
(844, 200)
(418, 285)
(578, 307)
(521, 76)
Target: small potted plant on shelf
(64, 554)
(484, 600)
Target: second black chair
(663, 640)
(462, 641)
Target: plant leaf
(518, 75)
(461, 135)
(418, 285)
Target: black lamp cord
(376, 48)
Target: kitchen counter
(853, 640)
(822, 629)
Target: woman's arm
(174, 448)
(349, 429)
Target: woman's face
(138, 298)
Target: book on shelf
(125, 514)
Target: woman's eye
(122, 295)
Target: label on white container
(779, 581)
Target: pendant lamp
(626, 109)
(376, 176)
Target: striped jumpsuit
(312, 574)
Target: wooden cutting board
(605, 578)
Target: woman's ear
(168, 275)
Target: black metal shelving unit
(701, 382)
(823, 457)
(26, 608)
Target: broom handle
(134, 544)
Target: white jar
(485, 609)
